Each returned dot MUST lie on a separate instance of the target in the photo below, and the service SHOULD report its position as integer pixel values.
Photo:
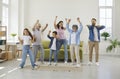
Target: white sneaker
(49, 63)
(35, 67)
(36, 64)
(65, 62)
(20, 67)
(78, 65)
(97, 63)
(55, 64)
(90, 63)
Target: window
(105, 14)
(5, 12)
(5, 2)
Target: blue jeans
(51, 54)
(26, 50)
(64, 43)
(37, 48)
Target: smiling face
(74, 28)
(61, 24)
(54, 34)
(25, 32)
(93, 21)
(38, 26)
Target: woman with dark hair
(62, 38)
(26, 40)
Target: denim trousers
(64, 43)
(51, 54)
(27, 50)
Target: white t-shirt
(73, 38)
(53, 47)
(26, 40)
(95, 34)
(37, 34)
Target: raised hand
(55, 24)
(37, 21)
(56, 17)
(78, 19)
(66, 19)
(69, 20)
(46, 25)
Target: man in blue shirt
(94, 39)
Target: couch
(61, 52)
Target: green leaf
(109, 48)
(113, 44)
(105, 35)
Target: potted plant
(13, 35)
(105, 35)
(113, 45)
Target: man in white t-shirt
(37, 45)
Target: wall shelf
(3, 40)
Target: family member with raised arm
(53, 47)
(37, 45)
(94, 39)
(74, 41)
(26, 40)
(62, 38)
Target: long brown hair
(58, 26)
(30, 34)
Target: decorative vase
(13, 35)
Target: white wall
(116, 22)
(21, 16)
(13, 16)
(116, 19)
(115, 28)
(26, 12)
(46, 10)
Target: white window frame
(107, 7)
(6, 6)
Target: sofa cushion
(45, 44)
(61, 52)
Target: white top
(37, 34)
(53, 47)
(95, 34)
(73, 38)
(26, 40)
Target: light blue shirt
(77, 33)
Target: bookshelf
(3, 40)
